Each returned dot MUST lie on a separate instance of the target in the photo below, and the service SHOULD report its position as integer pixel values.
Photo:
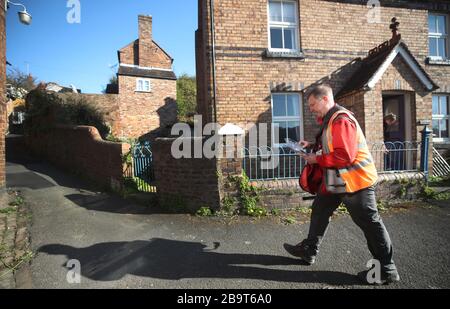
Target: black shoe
(303, 251)
(386, 278)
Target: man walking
(349, 177)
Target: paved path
(122, 245)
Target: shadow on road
(175, 260)
(110, 203)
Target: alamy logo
(220, 146)
(74, 15)
(374, 273)
(374, 15)
(74, 274)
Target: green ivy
(204, 212)
(248, 197)
(430, 194)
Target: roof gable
(401, 50)
(378, 61)
(160, 48)
(133, 50)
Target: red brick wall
(132, 114)
(2, 93)
(332, 34)
(130, 53)
(187, 183)
(149, 54)
(108, 104)
(145, 29)
(145, 52)
(81, 150)
(143, 112)
(355, 103)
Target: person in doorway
(393, 157)
(390, 126)
(349, 177)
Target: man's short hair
(319, 91)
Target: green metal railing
(141, 173)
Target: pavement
(115, 243)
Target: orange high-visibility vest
(361, 174)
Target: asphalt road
(122, 245)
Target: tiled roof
(139, 72)
(370, 65)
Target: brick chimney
(145, 39)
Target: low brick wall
(286, 194)
(184, 184)
(397, 187)
(283, 194)
(80, 150)
(189, 184)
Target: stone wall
(80, 150)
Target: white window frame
(438, 35)
(144, 81)
(287, 118)
(442, 117)
(284, 25)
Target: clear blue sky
(81, 54)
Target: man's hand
(310, 158)
(305, 144)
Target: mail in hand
(295, 146)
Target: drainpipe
(213, 45)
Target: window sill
(432, 61)
(143, 91)
(289, 55)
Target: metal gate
(141, 170)
(440, 166)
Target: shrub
(79, 111)
(44, 109)
(186, 97)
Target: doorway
(394, 118)
(396, 158)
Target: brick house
(146, 87)
(3, 120)
(257, 57)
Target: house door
(394, 132)
(394, 118)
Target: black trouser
(363, 210)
